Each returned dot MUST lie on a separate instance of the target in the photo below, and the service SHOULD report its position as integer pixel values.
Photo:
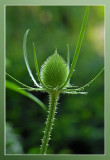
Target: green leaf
(15, 88)
(78, 46)
(26, 60)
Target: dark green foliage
(79, 124)
(13, 141)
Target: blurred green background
(79, 124)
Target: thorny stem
(49, 122)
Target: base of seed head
(54, 71)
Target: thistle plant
(54, 78)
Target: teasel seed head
(54, 71)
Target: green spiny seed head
(54, 71)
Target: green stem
(50, 120)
